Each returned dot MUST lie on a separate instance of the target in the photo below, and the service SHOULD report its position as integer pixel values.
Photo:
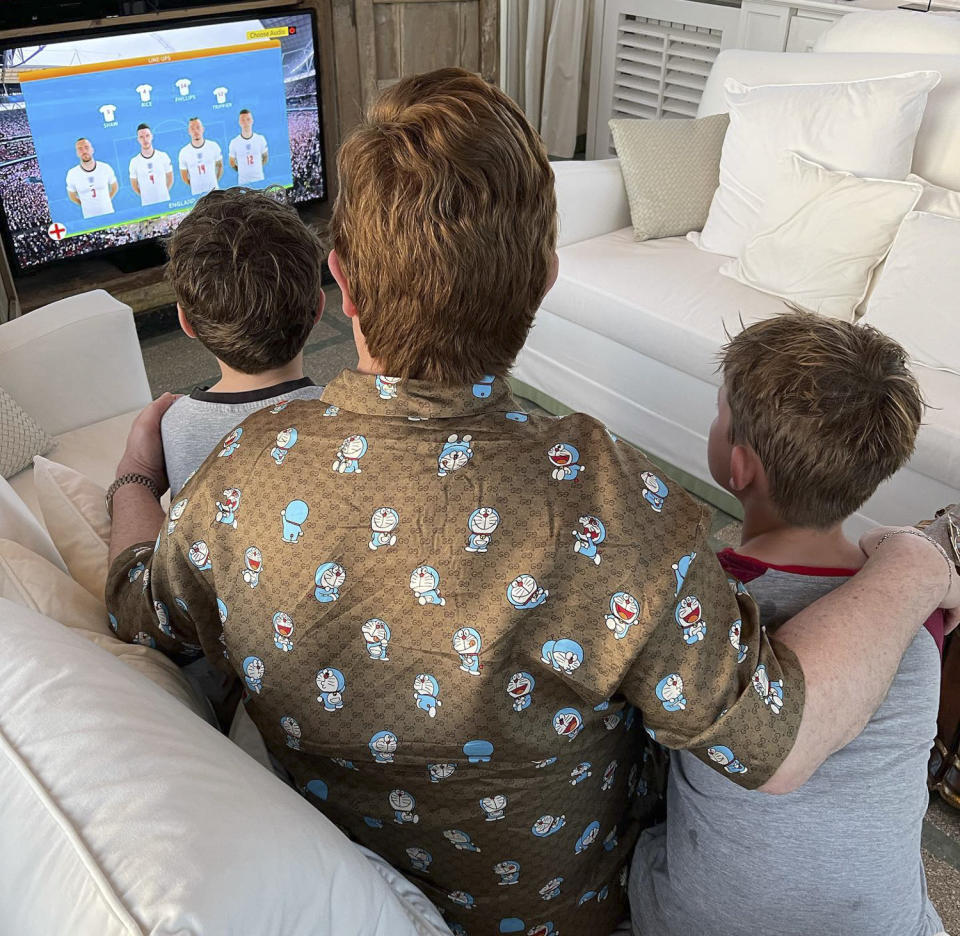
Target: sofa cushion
(145, 819)
(17, 523)
(821, 234)
(666, 299)
(20, 437)
(75, 514)
(662, 298)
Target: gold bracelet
(131, 478)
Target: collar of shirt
(373, 395)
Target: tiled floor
(176, 363)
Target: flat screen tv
(107, 139)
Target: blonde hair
(445, 227)
(830, 408)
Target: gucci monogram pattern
(457, 625)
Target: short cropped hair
(830, 408)
(143, 127)
(246, 273)
(244, 110)
(445, 227)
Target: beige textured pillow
(671, 169)
(20, 437)
(76, 518)
(32, 581)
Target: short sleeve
(168, 166)
(219, 152)
(111, 175)
(232, 149)
(71, 187)
(156, 596)
(182, 161)
(131, 170)
(265, 148)
(710, 681)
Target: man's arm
(185, 176)
(169, 179)
(73, 196)
(219, 168)
(137, 515)
(782, 705)
(114, 185)
(134, 184)
(266, 156)
(233, 161)
(850, 643)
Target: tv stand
(136, 257)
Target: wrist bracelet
(133, 478)
(933, 542)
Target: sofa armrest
(591, 199)
(74, 362)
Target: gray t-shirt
(196, 424)
(841, 855)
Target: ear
(745, 467)
(320, 308)
(184, 324)
(336, 271)
(553, 273)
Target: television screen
(110, 139)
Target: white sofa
(123, 811)
(75, 366)
(631, 331)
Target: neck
(145, 154)
(246, 135)
(196, 143)
(769, 539)
(234, 381)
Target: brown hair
(445, 226)
(246, 273)
(829, 407)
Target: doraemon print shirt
(457, 625)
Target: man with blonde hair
(499, 734)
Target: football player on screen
(92, 184)
(151, 172)
(248, 151)
(201, 161)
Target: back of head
(246, 272)
(445, 227)
(830, 408)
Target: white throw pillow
(915, 299)
(75, 513)
(937, 199)
(865, 127)
(893, 31)
(821, 235)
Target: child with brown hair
(246, 273)
(813, 414)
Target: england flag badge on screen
(56, 231)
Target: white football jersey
(92, 188)
(108, 110)
(201, 163)
(183, 85)
(144, 92)
(220, 94)
(150, 174)
(248, 155)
